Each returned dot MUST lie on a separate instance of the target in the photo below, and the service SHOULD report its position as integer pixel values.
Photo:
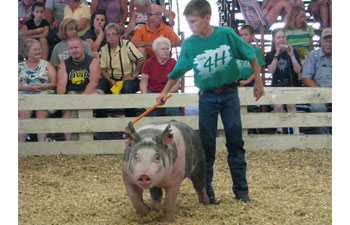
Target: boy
(247, 75)
(211, 53)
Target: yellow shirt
(123, 59)
(83, 11)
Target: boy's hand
(242, 83)
(258, 89)
(162, 98)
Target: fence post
(85, 113)
(74, 136)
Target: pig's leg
(135, 195)
(156, 197)
(198, 180)
(170, 202)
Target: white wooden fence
(86, 125)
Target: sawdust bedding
(286, 187)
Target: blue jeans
(227, 104)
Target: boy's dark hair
(248, 28)
(98, 12)
(199, 8)
(36, 4)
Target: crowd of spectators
(72, 47)
(59, 36)
(293, 61)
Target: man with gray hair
(317, 71)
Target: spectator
(296, 3)
(116, 10)
(95, 35)
(317, 71)
(167, 13)
(268, 4)
(144, 36)
(321, 10)
(298, 33)
(37, 28)
(138, 17)
(284, 64)
(155, 74)
(24, 11)
(247, 75)
(157, 2)
(117, 59)
(35, 76)
(54, 13)
(79, 74)
(269, 12)
(76, 9)
(68, 29)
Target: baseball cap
(326, 32)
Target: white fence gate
(85, 124)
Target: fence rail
(85, 124)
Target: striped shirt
(300, 38)
(119, 63)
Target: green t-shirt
(300, 38)
(212, 58)
(244, 66)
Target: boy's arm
(258, 90)
(175, 88)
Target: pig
(160, 156)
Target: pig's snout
(144, 180)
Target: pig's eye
(136, 157)
(157, 156)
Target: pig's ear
(166, 137)
(130, 134)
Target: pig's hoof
(156, 206)
(204, 200)
(144, 211)
(169, 218)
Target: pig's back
(191, 146)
